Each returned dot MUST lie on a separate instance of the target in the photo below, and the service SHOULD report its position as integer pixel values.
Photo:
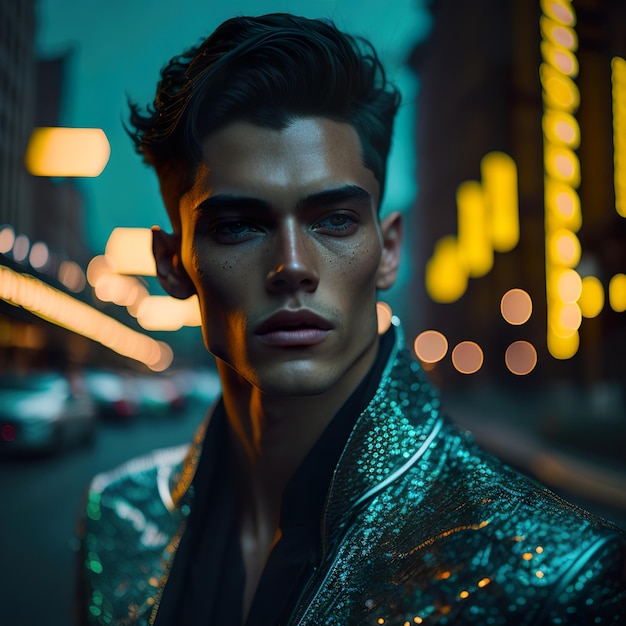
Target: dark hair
(265, 70)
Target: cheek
(357, 270)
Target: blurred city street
(41, 499)
(42, 496)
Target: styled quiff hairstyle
(265, 70)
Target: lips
(294, 328)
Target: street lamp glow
(64, 152)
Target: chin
(296, 381)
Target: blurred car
(113, 394)
(158, 395)
(199, 386)
(44, 412)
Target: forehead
(307, 155)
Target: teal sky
(118, 47)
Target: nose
(293, 264)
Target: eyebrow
(328, 197)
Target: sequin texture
(420, 527)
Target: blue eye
(233, 231)
(336, 224)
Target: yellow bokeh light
(560, 58)
(383, 315)
(618, 82)
(430, 346)
(570, 317)
(561, 128)
(568, 285)
(467, 357)
(617, 293)
(560, 11)
(562, 164)
(562, 206)
(563, 347)
(564, 248)
(67, 152)
(559, 91)
(516, 306)
(521, 358)
(131, 251)
(591, 301)
(564, 318)
(474, 239)
(558, 33)
(499, 181)
(445, 278)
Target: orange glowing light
(167, 313)
(97, 267)
(57, 307)
(7, 239)
(131, 251)
(67, 152)
(521, 358)
(467, 357)
(383, 315)
(430, 346)
(516, 306)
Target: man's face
(281, 239)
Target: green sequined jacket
(420, 527)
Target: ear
(391, 228)
(170, 271)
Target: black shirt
(207, 578)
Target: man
(325, 487)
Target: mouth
(293, 328)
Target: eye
(234, 231)
(338, 224)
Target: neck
(271, 435)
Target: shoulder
(126, 526)
(140, 471)
(498, 535)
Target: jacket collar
(390, 436)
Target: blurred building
(41, 219)
(17, 84)
(507, 77)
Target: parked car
(158, 395)
(113, 394)
(44, 412)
